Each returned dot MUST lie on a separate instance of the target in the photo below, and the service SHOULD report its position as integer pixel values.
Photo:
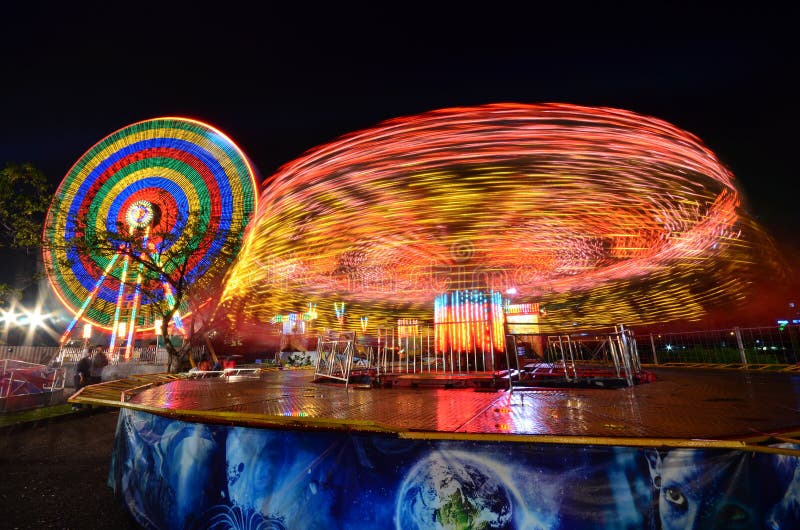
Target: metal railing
(143, 355)
(227, 372)
(739, 346)
(575, 357)
(18, 378)
(388, 352)
(147, 355)
(335, 355)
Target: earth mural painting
(453, 489)
(249, 478)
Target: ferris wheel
(149, 177)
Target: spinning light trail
(152, 177)
(600, 214)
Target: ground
(55, 472)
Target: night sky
(282, 81)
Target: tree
(25, 195)
(175, 270)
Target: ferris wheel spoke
(118, 310)
(92, 295)
(134, 309)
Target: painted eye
(675, 496)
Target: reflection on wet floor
(681, 403)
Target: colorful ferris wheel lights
(180, 177)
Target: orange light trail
(601, 215)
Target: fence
(743, 346)
(30, 354)
(387, 352)
(391, 350)
(146, 355)
(415, 353)
(599, 359)
(71, 354)
(396, 352)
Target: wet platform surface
(687, 404)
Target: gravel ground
(54, 473)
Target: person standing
(82, 375)
(99, 361)
(82, 371)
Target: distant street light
(30, 319)
(35, 319)
(9, 317)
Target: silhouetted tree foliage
(25, 195)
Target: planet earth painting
(453, 490)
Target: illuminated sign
(525, 309)
(523, 323)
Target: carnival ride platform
(713, 408)
(274, 447)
